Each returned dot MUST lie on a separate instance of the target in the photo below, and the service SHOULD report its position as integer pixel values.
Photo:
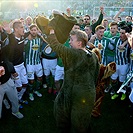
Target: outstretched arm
(115, 18)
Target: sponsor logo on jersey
(35, 47)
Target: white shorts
(121, 72)
(34, 69)
(49, 65)
(22, 75)
(59, 73)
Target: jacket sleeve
(4, 57)
(98, 22)
(10, 67)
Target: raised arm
(130, 39)
(99, 21)
(68, 10)
(115, 18)
(6, 27)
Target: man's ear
(80, 43)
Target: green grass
(38, 117)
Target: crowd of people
(25, 66)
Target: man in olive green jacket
(74, 102)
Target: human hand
(6, 27)
(15, 75)
(121, 46)
(122, 9)
(130, 39)
(100, 46)
(102, 10)
(93, 37)
(68, 10)
(2, 71)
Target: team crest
(29, 74)
(35, 47)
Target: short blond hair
(81, 36)
(29, 17)
(16, 23)
(99, 27)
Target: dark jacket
(9, 68)
(16, 49)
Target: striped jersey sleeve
(105, 42)
(121, 58)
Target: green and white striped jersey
(121, 58)
(104, 51)
(32, 51)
